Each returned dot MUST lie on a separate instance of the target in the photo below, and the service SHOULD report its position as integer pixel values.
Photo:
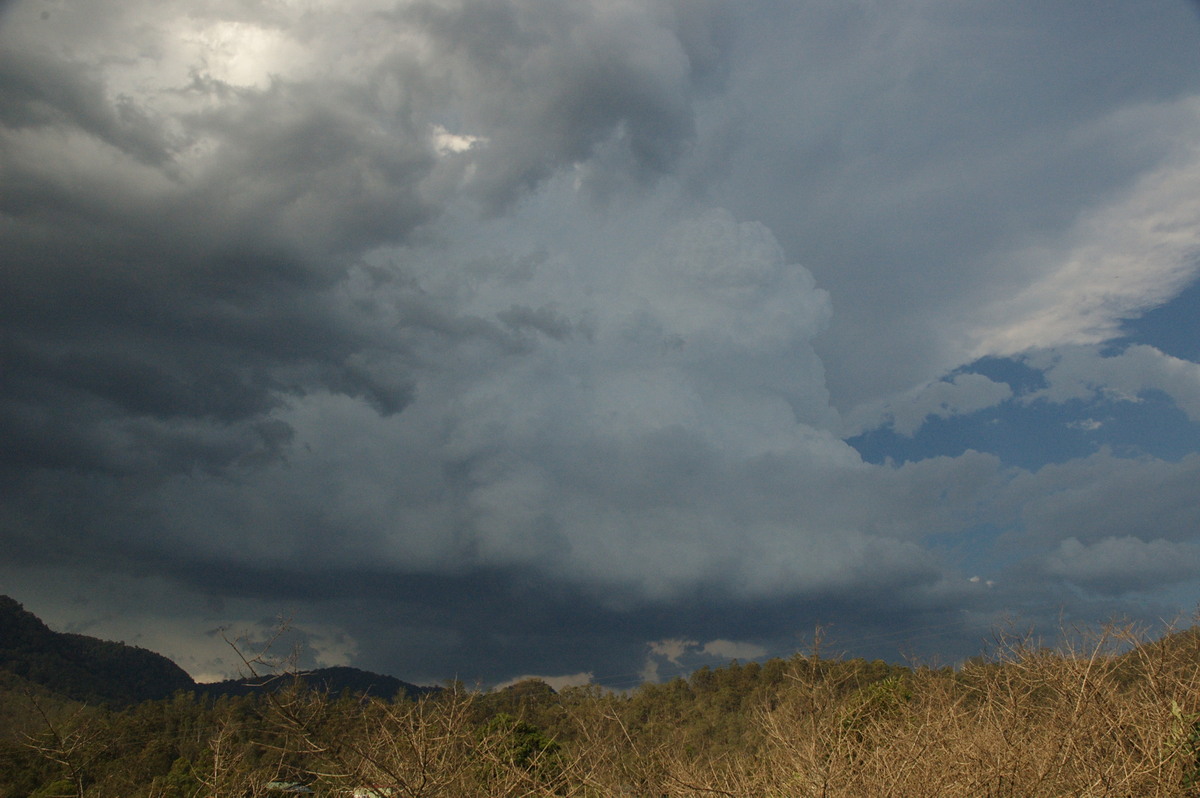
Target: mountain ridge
(91, 670)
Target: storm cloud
(498, 338)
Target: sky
(597, 340)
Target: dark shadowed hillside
(96, 671)
(80, 667)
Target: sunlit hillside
(1108, 714)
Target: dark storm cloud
(45, 92)
(550, 83)
(497, 622)
(319, 313)
(184, 263)
(543, 320)
(180, 255)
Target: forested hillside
(1108, 715)
(86, 669)
(81, 667)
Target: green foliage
(522, 743)
(868, 710)
(59, 788)
(181, 780)
(877, 700)
(23, 770)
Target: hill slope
(334, 681)
(97, 671)
(80, 667)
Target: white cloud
(1082, 372)
(671, 650)
(557, 683)
(960, 395)
(689, 653)
(731, 649)
(1118, 260)
(448, 143)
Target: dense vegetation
(1112, 717)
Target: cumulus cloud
(529, 331)
(731, 649)
(671, 650)
(1085, 372)
(615, 458)
(185, 192)
(1104, 496)
(959, 395)
(684, 655)
(558, 683)
(1115, 565)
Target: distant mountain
(96, 671)
(334, 681)
(80, 667)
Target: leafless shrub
(1103, 714)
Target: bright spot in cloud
(448, 143)
(557, 683)
(731, 649)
